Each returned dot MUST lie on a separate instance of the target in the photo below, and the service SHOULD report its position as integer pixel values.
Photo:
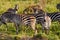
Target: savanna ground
(54, 33)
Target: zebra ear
(16, 7)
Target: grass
(26, 31)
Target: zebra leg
(16, 26)
(46, 27)
(33, 23)
(6, 26)
(47, 31)
(47, 24)
(35, 31)
(43, 29)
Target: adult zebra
(42, 19)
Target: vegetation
(54, 33)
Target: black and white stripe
(29, 20)
(55, 16)
(39, 14)
(42, 18)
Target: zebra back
(55, 16)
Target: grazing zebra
(22, 19)
(14, 10)
(42, 19)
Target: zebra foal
(22, 19)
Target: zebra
(54, 16)
(42, 18)
(22, 19)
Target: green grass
(54, 33)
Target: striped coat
(55, 16)
(22, 19)
(42, 19)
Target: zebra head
(16, 7)
(39, 12)
(13, 10)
